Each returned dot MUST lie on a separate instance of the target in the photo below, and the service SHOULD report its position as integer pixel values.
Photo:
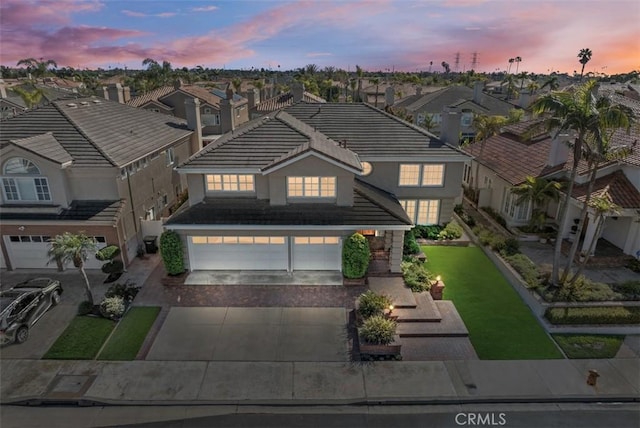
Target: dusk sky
(375, 34)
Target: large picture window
(423, 211)
(421, 175)
(230, 182)
(21, 181)
(311, 187)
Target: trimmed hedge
(355, 256)
(410, 246)
(594, 315)
(108, 253)
(526, 268)
(172, 252)
(451, 231)
(425, 231)
(416, 276)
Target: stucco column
(395, 256)
(632, 245)
(589, 235)
(388, 240)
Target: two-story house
(88, 165)
(282, 191)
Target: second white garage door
(317, 253)
(31, 252)
(238, 253)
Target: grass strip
(126, 341)
(82, 339)
(589, 345)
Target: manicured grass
(589, 345)
(82, 339)
(125, 342)
(501, 326)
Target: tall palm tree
(585, 57)
(517, 60)
(589, 118)
(30, 98)
(551, 82)
(259, 85)
(354, 84)
(37, 68)
(485, 127)
(511, 61)
(539, 192)
(70, 248)
(360, 74)
(375, 81)
(510, 80)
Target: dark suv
(23, 305)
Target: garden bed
(589, 346)
(609, 315)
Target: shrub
(355, 256)
(126, 291)
(634, 265)
(410, 245)
(85, 308)
(427, 231)
(378, 330)
(458, 209)
(630, 289)
(511, 246)
(496, 216)
(372, 304)
(526, 268)
(112, 307)
(583, 290)
(109, 252)
(114, 266)
(467, 219)
(172, 252)
(452, 231)
(594, 315)
(497, 242)
(416, 275)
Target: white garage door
(317, 253)
(30, 252)
(238, 253)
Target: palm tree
(485, 127)
(539, 192)
(429, 122)
(353, 83)
(76, 249)
(589, 118)
(517, 60)
(37, 68)
(533, 87)
(511, 84)
(375, 81)
(30, 98)
(551, 82)
(360, 74)
(236, 82)
(511, 61)
(585, 57)
(259, 85)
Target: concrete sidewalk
(295, 383)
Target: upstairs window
(230, 182)
(421, 175)
(311, 187)
(170, 156)
(21, 181)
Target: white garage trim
(31, 252)
(317, 253)
(238, 252)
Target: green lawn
(125, 342)
(501, 326)
(82, 339)
(589, 345)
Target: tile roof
(285, 100)
(367, 131)
(98, 132)
(211, 97)
(47, 146)
(615, 186)
(88, 211)
(153, 95)
(371, 207)
(453, 95)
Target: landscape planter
(391, 349)
(353, 282)
(174, 279)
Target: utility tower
(474, 60)
(457, 62)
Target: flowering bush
(112, 307)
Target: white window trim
(309, 188)
(421, 175)
(415, 212)
(170, 156)
(250, 179)
(25, 177)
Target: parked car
(23, 305)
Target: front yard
(501, 326)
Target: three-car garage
(265, 252)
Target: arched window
(21, 181)
(20, 166)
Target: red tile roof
(615, 186)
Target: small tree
(72, 248)
(172, 252)
(355, 256)
(112, 267)
(539, 192)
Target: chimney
(227, 119)
(251, 97)
(418, 90)
(192, 111)
(389, 95)
(177, 84)
(126, 94)
(559, 150)
(450, 126)
(115, 92)
(478, 86)
(105, 93)
(525, 99)
(297, 89)
(3, 92)
(342, 98)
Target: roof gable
(46, 146)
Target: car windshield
(7, 298)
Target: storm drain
(69, 386)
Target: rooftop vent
(84, 103)
(72, 105)
(96, 101)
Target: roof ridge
(404, 122)
(81, 132)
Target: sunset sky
(375, 34)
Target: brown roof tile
(615, 186)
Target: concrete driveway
(45, 332)
(252, 334)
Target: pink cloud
(135, 14)
(204, 9)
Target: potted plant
(377, 336)
(371, 304)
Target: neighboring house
(220, 111)
(468, 101)
(12, 104)
(282, 191)
(509, 157)
(295, 95)
(88, 165)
